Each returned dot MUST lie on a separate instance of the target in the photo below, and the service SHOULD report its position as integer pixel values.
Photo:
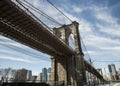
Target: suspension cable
(85, 49)
(48, 28)
(59, 10)
(40, 12)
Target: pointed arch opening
(71, 41)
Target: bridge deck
(19, 23)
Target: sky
(99, 27)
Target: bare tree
(7, 74)
(13, 74)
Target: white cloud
(105, 17)
(9, 42)
(98, 41)
(77, 9)
(16, 59)
(108, 23)
(85, 28)
(90, 52)
(112, 30)
(116, 48)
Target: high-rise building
(29, 75)
(49, 74)
(112, 69)
(113, 72)
(44, 74)
(49, 70)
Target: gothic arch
(64, 33)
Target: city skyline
(99, 31)
(45, 74)
(111, 69)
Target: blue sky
(99, 26)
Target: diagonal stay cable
(40, 12)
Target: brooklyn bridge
(68, 65)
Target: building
(49, 74)
(29, 75)
(44, 74)
(39, 77)
(119, 73)
(112, 69)
(34, 78)
(113, 72)
(21, 75)
(49, 70)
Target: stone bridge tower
(69, 69)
